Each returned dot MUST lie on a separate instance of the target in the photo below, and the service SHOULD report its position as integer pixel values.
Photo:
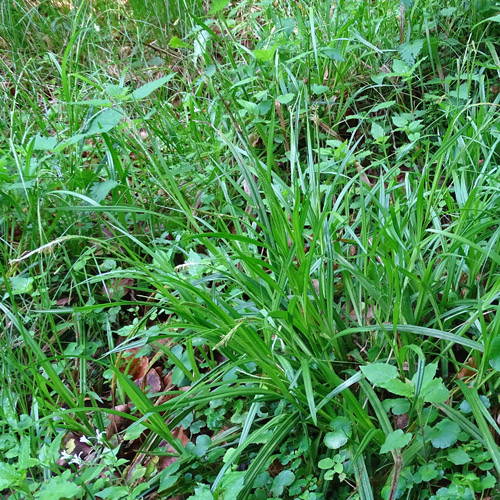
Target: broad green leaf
(202, 493)
(218, 5)
(44, 143)
(332, 53)
(113, 493)
(264, 55)
(400, 68)
(169, 476)
(458, 456)
(495, 19)
(434, 392)
(232, 484)
(134, 431)
(494, 354)
(398, 406)
(281, 481)
(444, 434)
(319, 89)
(399, 121)
(100, 190)
(396, 439)
(150, 87)
(176, 43)
(285, 98)
(104, 122)
(251, 107)
(9, 476)
(409, 51)
(21, 285)
(326, 463)
(377, 131)
(116, 91)
(202, 444)
(382, 105)
(378, 373)
(58, 488)
(342, 430)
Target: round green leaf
(379, 373)
(444, 434)
(396, 439)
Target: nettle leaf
(281, 481)
(401, 68)
(444, 434)
(150, 87)
(394, 440)
(218, 5)
(379, 373)
(342, 431)
(116, 91)
(494, 352)
(410, 51)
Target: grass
(249, 250)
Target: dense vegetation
(249, 250)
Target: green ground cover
(249, 250)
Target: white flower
(85, 439)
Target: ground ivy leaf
(283, 479)
(444, 434)
(396, 439)
(326, 463)
(458, 456)
(379, 373)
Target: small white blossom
(85, 439)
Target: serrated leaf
(150, 87)
(396, 439)
(218, 5)
(9, 476)
(58, 488)
(400, 68)
(378, 373)
(399, 388)
(409, 51)
(434, 392)
(116, 91)
(444, 434)
(100, 190)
